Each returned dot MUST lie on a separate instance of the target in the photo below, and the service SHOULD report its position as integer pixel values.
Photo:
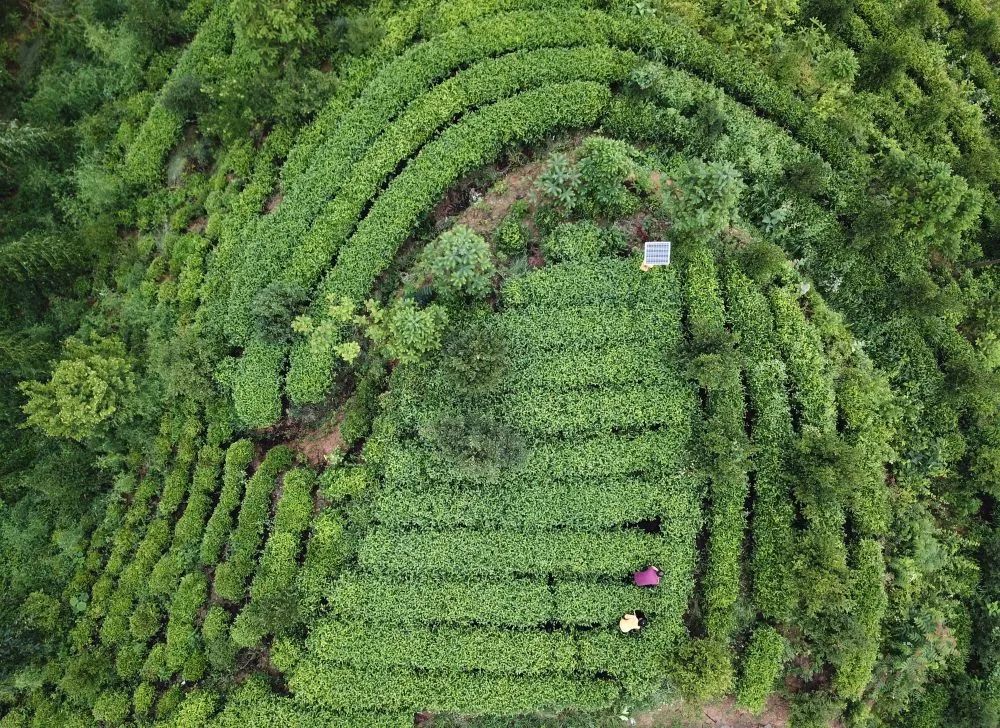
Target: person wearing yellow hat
(632, 622)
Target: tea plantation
(338, 389)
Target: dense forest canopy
(335, 389)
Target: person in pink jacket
(650, 576)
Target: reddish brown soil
(484, 215)
(314, 446)
(272, 202)
(197, 225)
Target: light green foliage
(112, 707)
(86, 390)
(606, 166)
(256, 384)
(761, 668)
(245, 540)
(181, 636)
(405, 332)
(509, 238)
(458, 263)
(284, 654)
(145, 621)
(574, 241)
(327, 548)
(340, 482)
(238, 457)
(701, 669)
(142, 699)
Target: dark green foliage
(273, 309)
(583, 421)
(184, 98)
(560, 182)
(701, 198)
(272, 606)
(458, 264)
(219, 649)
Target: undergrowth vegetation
(336, 391)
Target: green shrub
(326, 550)
(605, 166)
(112, 707)
(458, 263)
(155, 667)
(194, 666)
(406, 333)
(142, 699)
(574, 241)
(761, 668)
(272, 605)
(130, 659)
(145, 621)
(238, 457)
(702, 198)
(701, 669)
(273, 309)
(86, 390)
(197, 708)
(459, 693)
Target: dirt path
(724, 714)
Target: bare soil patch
(316, 444)
(724, 714)
(485, 214)
(272, 202)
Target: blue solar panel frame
(656, 252)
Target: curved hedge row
(484, 83)
(626, 35)
(460, 149)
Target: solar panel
(656, 253)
